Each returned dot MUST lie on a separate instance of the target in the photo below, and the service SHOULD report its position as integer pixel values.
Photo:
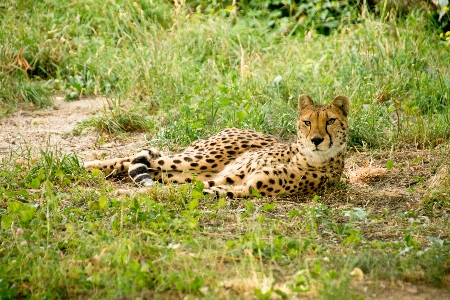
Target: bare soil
(416, 175)
(53, 129)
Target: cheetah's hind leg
(140, 165)
(229, 191)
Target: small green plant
(118, 120)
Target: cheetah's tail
(111, 167)
(140, 165)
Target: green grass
(78, 239)
(182, 74)
(117, 119)
(180, 64)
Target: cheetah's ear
(303, 101)
(342, 103)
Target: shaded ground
(415, 175)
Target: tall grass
(197, 73)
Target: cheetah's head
(322, 129)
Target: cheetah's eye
(331, 121)
(307, 123)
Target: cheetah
(235, 162)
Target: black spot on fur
(259, 184)
(229, 180)
(141, 160)
(139, 170)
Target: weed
(118, 119)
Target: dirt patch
(26, 132)
(399, 290)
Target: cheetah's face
(322, 129)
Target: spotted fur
(235, 162)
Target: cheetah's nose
(317, 140)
